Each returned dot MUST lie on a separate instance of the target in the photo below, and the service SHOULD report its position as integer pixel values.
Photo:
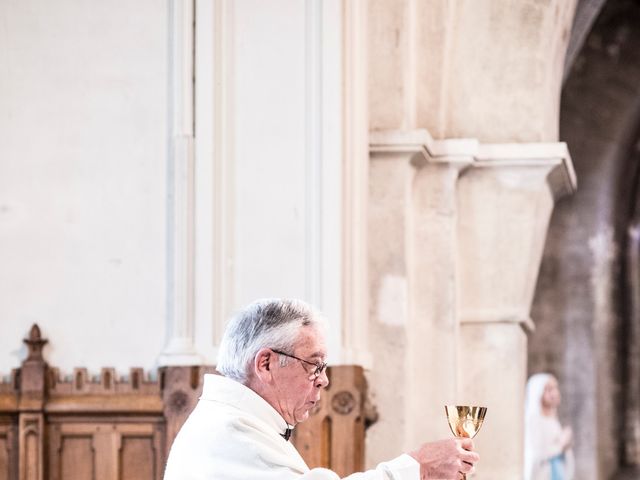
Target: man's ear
(263, 363)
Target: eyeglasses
(320, 367)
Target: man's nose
(323, 380)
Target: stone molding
(498, 316)
(553, 155)
(535, 162)
(421, 140)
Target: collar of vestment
(221, 389)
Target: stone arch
(581, 308)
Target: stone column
(455, 246)
(457, 230)
(389, 185)
(505, 201)
(180, 349)
(413, 237)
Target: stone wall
(457, 227)
(579, 309)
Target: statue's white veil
(532, 417)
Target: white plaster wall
(288, 159)
(276, 178)
(83, 146)
(271, 194)
(84, 173)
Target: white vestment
(234, 434)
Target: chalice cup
(465, 421)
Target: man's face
(296, 390)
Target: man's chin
(302, 416)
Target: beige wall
(488, 69)
(457, 228)
(123, 229)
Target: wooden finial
(35, 343)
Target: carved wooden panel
(94, 449)
(30, 447)
(140, 459)
(181, 387)
(8, 448)
(74, 460)
(333, 436)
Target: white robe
(234, 434)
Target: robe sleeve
(403, 467)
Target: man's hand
(446, 459)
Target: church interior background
(454, 184)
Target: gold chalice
(465, 421)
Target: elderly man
(272, 361)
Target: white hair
(268, 323)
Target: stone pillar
(457, 230)
(180, 349)
(413, 238)
(457, 227)
(505, 201)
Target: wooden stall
(111, 428)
